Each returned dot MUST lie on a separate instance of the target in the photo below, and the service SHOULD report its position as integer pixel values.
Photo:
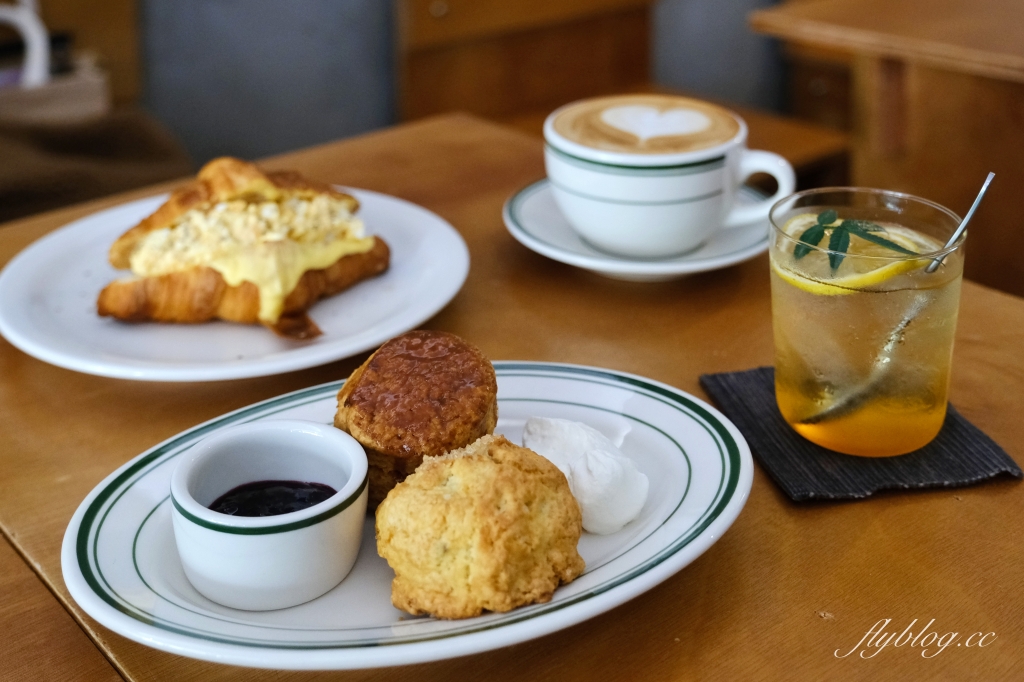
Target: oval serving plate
(120, 564)
(49, 292)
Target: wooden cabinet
(501, 59)
(819, 86)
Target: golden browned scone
(423, 393)
(489, 527)
(242, 245)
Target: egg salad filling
(270, 244)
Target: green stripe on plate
(725, 491)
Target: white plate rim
(424, 305)
(727, 507)
(613, 265)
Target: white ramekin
(262, 563)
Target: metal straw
(934, 265)
(844, 404)
(854, 398)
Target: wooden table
(783, 590)
(938, 91)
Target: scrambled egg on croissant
(242, 245)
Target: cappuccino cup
(653, 176)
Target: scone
(423, 393)
(242, 245)
(489, 527)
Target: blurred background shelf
(924, 97)
(61, 139)
(516, 62)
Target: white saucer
(534, 219)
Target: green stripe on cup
(692, 168)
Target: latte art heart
(647, 122)
(642, 124)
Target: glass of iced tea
(863, 332)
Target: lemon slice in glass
(867, 264)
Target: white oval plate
(120, 564)
(48, 302)
(534, 219)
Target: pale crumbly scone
(421, 394)
(490, 527)
(242, 245)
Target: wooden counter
(980, 37)
(938, 90)
(783, 590)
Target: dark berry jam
(270, 498)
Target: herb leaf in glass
(863, 334)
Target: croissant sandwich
(242, 245)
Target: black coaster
(960, 455)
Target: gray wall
(706, 47)
(255, 77)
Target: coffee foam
(646, 124)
